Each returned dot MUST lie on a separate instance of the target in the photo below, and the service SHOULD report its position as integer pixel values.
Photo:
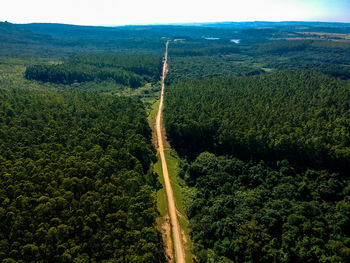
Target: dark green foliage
(271, 210)
(248, 212)
(317, 47)
(329, 57)
(280, 47)
(147, 66)
(193, 58)
(298, 115)
(75, 183)
(131, 71)
(207, 51)
(188, 68)
(68, 74)
(75, 179)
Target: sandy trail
(176, 231)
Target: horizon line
(182, 23)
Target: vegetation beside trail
(257, 111)
(328, 57)
(76, 166)
(275, 185)
(250, 212)
(299, 115)
(75, 178)
(182, 197)
(132, 71)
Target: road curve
(176, 232)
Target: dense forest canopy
(302, 116)
(219, 49)
(187, 59)
(249, 212)
(76, 183)
(133, 71)
(150, 66)
(277, 188)
(258, 111)
(329, 57)
(190, 68)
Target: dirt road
(176, 231)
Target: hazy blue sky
(119, 12)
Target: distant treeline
(68, 74)
(329, 57)
(284, 46)
(189, 68)
(193, 59)
(57, 41)
(207, 51)
(149, 67)
(133, 71)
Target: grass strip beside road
(177, 185)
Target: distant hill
(193, 30)
(57, 40)
(122, 32)
(12, 33)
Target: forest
(300, 115)
(132, 71)
(329, 57)
(250, 212)
(257, 112)
(267, 156)
(76, 183)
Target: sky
(127, 12)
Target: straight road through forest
(176, 232)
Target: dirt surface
(175, 227)
(167, 237)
